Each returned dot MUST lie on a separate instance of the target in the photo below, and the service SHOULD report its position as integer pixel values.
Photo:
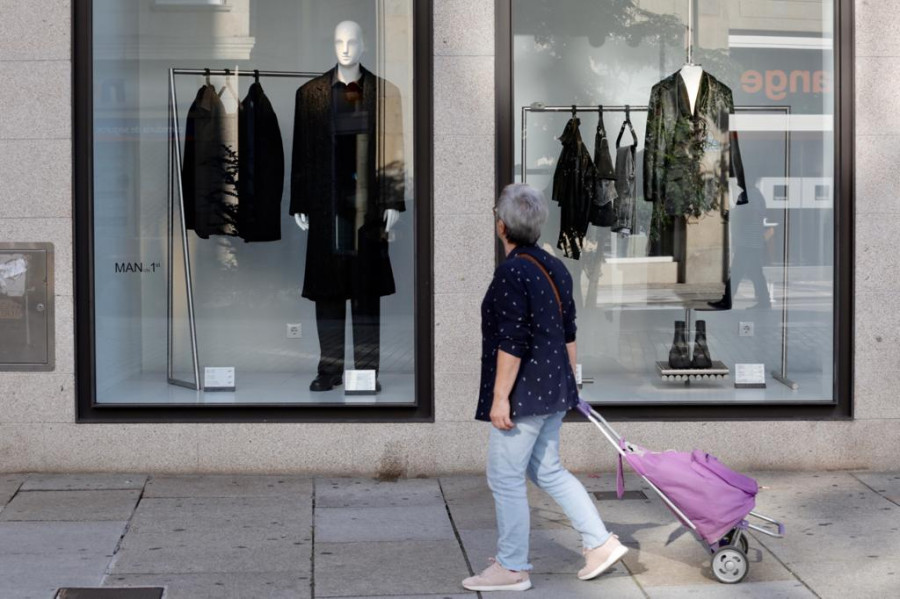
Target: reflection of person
(749, 242)
(527, 386)
(347, 190)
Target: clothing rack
(537, 107)
(175, 187)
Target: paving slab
(468, 595)
(84, 482)
(162, 515)
(567, 586)
(886, 484)
(366, 492)
(9, 485)
(70, 506)
(37, 558)
(416, 523)
(551, 551)
(403, 568)
(274, 585)
(785, 589)
(857, 576)
(229, 486)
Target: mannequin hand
(391, 217)
(302, 221)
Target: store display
(346, 177)
(625, 190)
(210, 168)
(700, 356)
(679, 354)
(260, 168)
(604, 201)
(574, 189)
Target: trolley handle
(767, 530)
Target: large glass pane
(294, 187)
(701, 241)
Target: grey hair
(523, 210)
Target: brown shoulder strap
(537, 263)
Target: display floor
(255, 388)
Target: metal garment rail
(176, 186)
(782, 375)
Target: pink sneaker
(497, 578)
(600, 559)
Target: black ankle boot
(701, 349)
(679, 357)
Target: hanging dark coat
(209, 172)
(574, 189)
(688, 157)
(603, 206)
(366, 272)
(261, 169)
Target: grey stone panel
(858, 576)
(464, 255)
(875, 113)
(35, 30)
(455, 397)
(259, 515)
(462, 182)
(457, 335)
(567, 586)
(877, 177)
(404, 568)
(39, 104)
(71, 506)
(876, 24)
(463, 95)
(414, 523)
(876, 268)
(299, 488)
(40, 398)
(20, 447)
(272, 585)
(84, 482)
(369, 493)
(37, 176)
(36, 558)
(464, 27)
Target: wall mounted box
(26, 306)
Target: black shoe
(701, 359)
(679, 358)
(326, 382)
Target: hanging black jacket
(603, 206)
(574, 189)
(338, 267)
(688, 158)
(209, 172)
(261, 169)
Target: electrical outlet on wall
(745, 329)
(294, 330)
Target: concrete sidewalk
(300, 537)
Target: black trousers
(331, 318)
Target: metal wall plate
(27, 306)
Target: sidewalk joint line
(868, 486)
(456, 534)
(312, 551)
(783, 565)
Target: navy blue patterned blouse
(520, 315)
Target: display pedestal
(662, 270)
(718, 371)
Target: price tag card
(750, 376)
(218, 378)
(578, 374)
(359, 382)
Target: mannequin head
(349, 45)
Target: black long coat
(261, 169)
(333, 275)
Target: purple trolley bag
(708, 498)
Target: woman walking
(527, 386)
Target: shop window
(687, 151)
(254, 204)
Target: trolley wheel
(730, 565)
(744, 543)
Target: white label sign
(750, 374)
(218, 378)
(578, 374)
(359, 381)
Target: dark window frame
(88, 410)
(840, 407)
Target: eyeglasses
(494, 209)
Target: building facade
(194, 322)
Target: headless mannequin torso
(349, 48)
(691, 74)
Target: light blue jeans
(532, 448)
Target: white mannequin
(349, 47)
(691, 74)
